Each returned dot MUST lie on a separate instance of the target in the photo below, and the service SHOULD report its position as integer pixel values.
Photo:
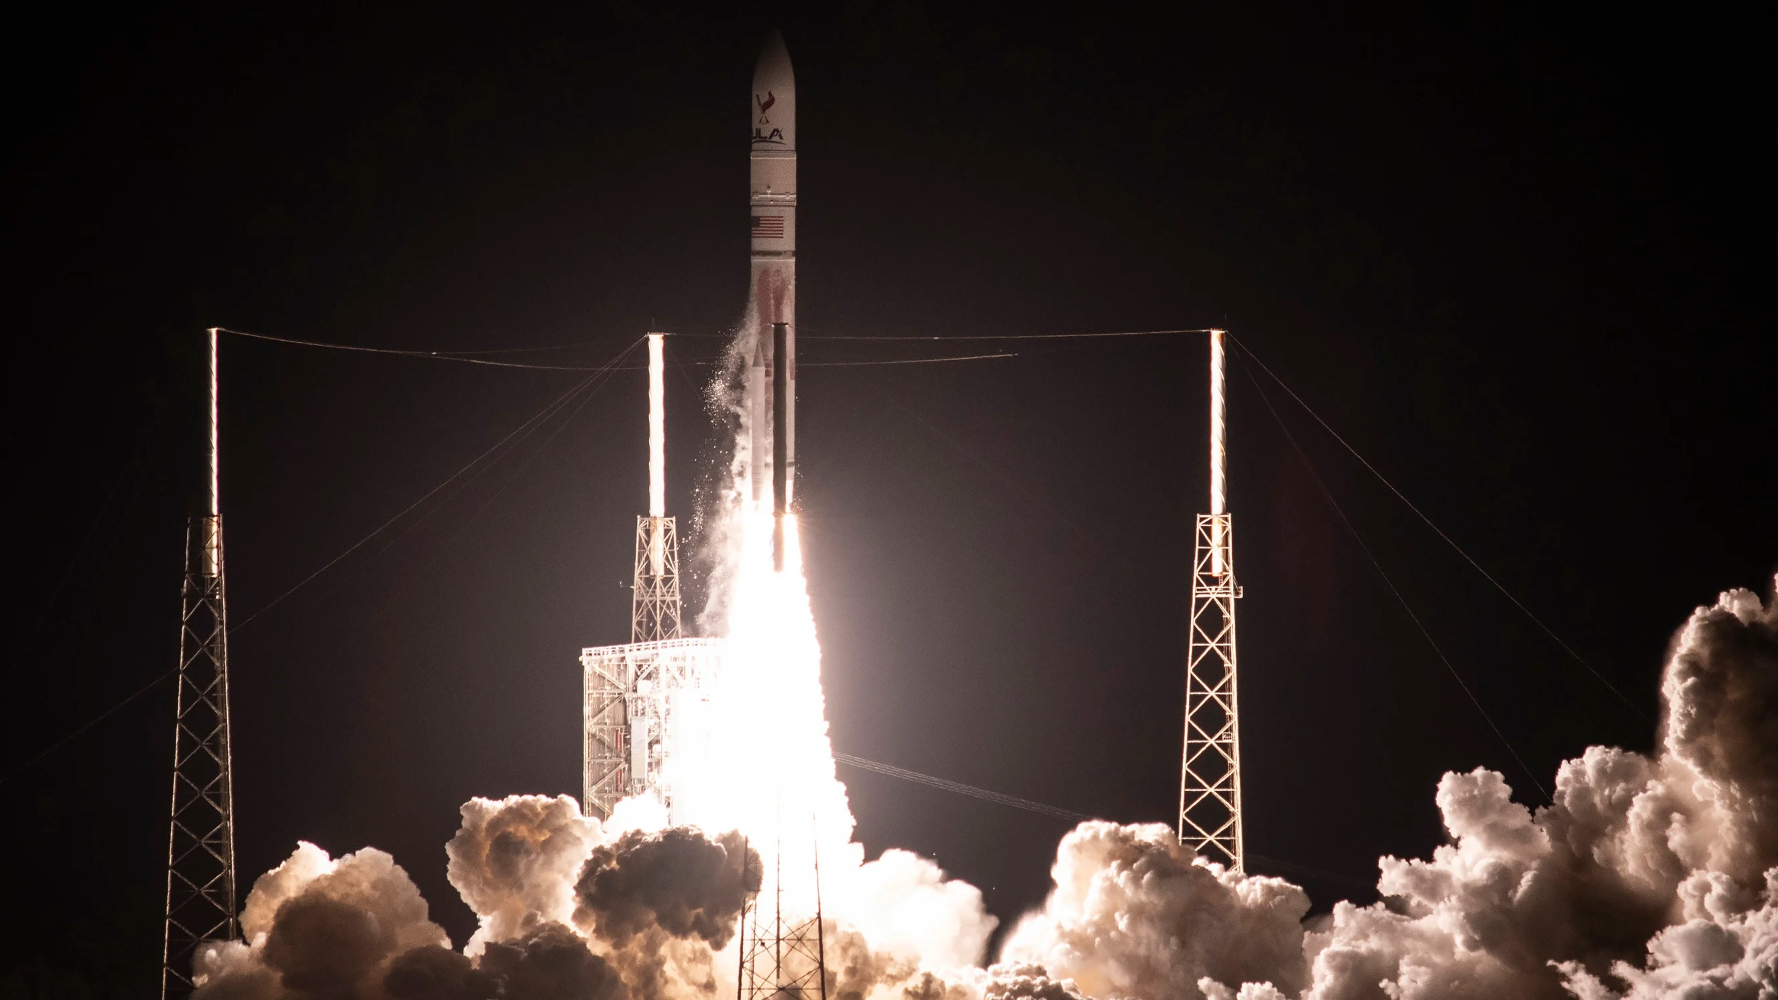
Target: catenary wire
(1045, 809)
(1378, 566)
(540, 449)
(475, 461)
(471, 358)
(434, 355)
(960, 788)
(444, 548)
(92, 532)
(548, 409)
(596, 383)
(521, 431)
(1248, 351)
(88, 724)
(903, 361)
(812, 335)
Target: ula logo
(767, 134)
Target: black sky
(1516, 256)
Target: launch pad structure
(634, 693)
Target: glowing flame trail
(768, 770)
(657, 427)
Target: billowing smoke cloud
(550, 962)
(664, 903)
(1647, 877)
(1026, 982)
(564, 914)
(317, 927)
(906, 906)
(514, 862)
(1135, 914)
(678, 881)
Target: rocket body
(771, 393)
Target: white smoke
(515, 863)
(319, 927)
(1135, 914)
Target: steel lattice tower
(654, 589)
(781, 959)
(201, 830)
(630, 693)
(1210, 773)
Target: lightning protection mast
(201, 829)
(654, 606)
(632, 693)
(1210, 776)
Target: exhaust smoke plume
(1648, 876)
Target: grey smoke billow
(678, 880)
(655, 906)
(550, 962)
(1648, 876)
(435, 972)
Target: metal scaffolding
(201, 829)
(654, 601)
(1210, 771)
(781, 959)
(635, 696)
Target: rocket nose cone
(773, 68)
(773, 114)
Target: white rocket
(771, 371)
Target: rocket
(771, 372)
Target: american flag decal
(768, 227)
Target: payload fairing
(771, 361)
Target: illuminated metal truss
(635, 696)
(781, 959)
(654, 604)
(201, 826)
(201, 831)
(1210, 771)
(1210, 785)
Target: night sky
(1515, 257)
